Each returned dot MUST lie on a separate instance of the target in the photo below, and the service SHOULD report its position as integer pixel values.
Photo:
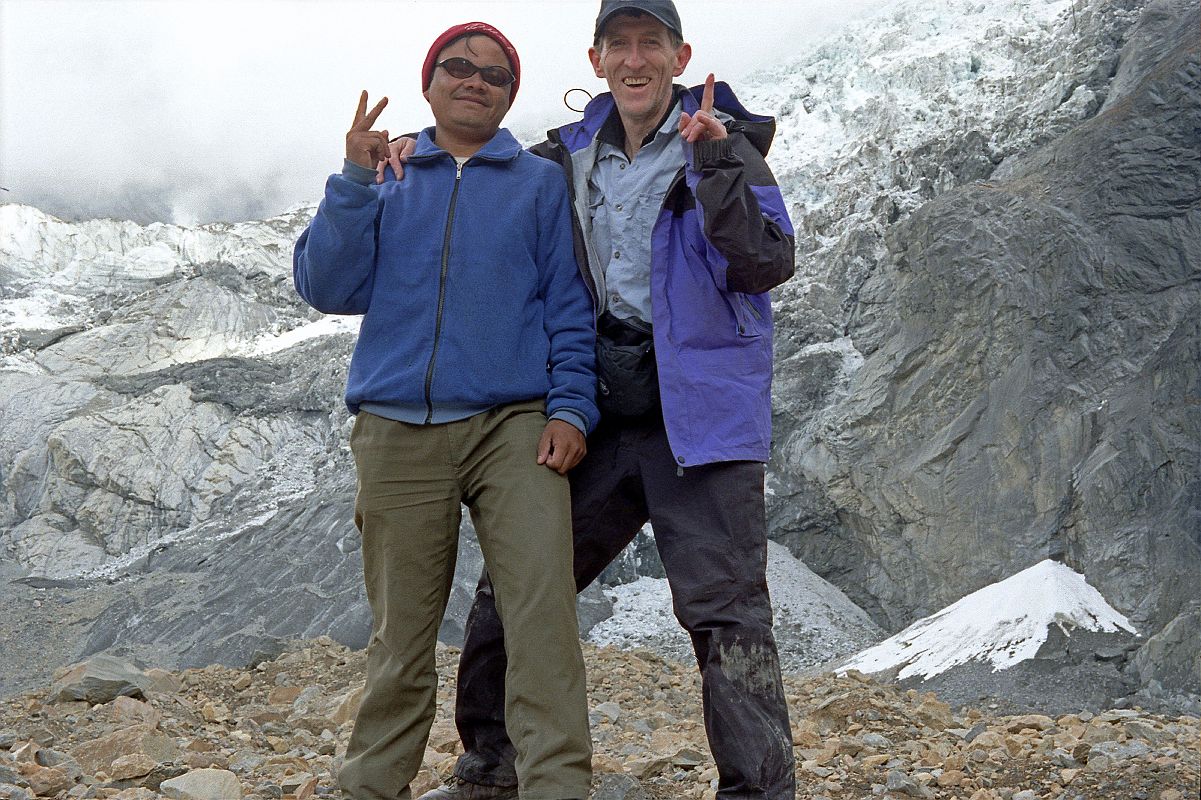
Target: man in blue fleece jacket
(472, 382)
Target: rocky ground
(276, 732)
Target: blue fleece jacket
(467, 280)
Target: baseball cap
(662, 10)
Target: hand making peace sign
(364, 146)
(702, 125)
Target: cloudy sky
(191, 111)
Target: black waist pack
(627, 378)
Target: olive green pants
(412, 479)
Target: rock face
(1030, 377)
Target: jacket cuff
(709, 152)
(357, 173)
(572, 418)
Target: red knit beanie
(470, 28)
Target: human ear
(595, 57)
(683, 56)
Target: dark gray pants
(711, 532)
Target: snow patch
(43, 310)
(814, 621)
(1004, 623)
(326, 326)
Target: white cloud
(194, 110)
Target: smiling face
(638, 59)
(468, 111)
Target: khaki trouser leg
(522, 515)
(411, 481)
(408, 510)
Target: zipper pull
(458, 169)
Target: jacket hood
(759, 130)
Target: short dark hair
(674, 38)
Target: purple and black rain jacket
(723, 239)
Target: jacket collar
(501, 147)
(758, 129)
(613, 132)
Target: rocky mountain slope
(278, 729)
(989, 358)
(1020, 288)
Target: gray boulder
(100, 679)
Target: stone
(618, 787)
(310, 700)
(348, 706)
(989, 740)
(135, 765)
(876, 741)
(203, 784)
(647, 767)
(100, 679)
(283, 695)
(1062, 758)
(602, 762)
(900, 782)
(130, 710)
(1141, 729)
(45, 781)
(47, 757)
(688, 758)
(609, 710)
(1119, 751)
(444, 737)
(163, 682)
(933, 713)
(1037, 722)
(426, 780)
(975, 731)
(136, 793)
(98, 755)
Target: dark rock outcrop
(1032, 376)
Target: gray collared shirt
(624, 200)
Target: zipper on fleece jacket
(450, 221)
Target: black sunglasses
(462, 68)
